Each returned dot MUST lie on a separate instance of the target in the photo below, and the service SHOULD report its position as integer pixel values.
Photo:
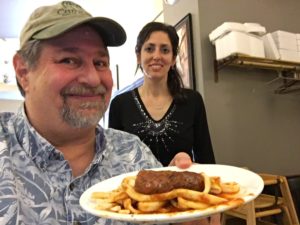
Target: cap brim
(111, 32)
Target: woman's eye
(149, 49)
(165, 50)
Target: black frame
(184, 31)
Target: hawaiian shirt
(36, 182)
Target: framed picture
(185, 57)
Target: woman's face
(156, 56)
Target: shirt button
(72, 185)
(76, 223)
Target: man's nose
(90, 75)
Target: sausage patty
(154, 182)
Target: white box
(225, 28)
(286, 43)
(256, 46)
(285, 34)
(288, 55)
(239, 42)
(255, 28)
(285, 40)
(271, 50)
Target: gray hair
(30, 53)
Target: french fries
(126, 200)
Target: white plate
(251, 186)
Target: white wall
(9, 105)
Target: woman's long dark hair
(174, 82)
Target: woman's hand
(181, 160)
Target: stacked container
(298, 43)
(231, 37)
(287, 45)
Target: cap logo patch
(70, 8)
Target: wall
(173, 14)
(250, 125)
(9, 105)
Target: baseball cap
(50, 21)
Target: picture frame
(185, 57)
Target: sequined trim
(155, 131)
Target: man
(53, 149)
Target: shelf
(288, 71)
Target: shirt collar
(39, 149)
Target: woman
(166, 116)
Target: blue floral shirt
(36, 182)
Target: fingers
(181, 160)
(215, 219)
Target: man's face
(72, 82)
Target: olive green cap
(50, 21)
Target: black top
(183, 128)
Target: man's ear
(21, 70)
